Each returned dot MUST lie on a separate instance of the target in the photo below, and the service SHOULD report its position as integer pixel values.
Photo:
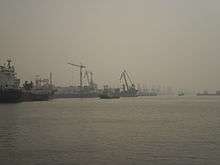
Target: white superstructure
(8, 79)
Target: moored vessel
(109, 93)
(42, 90)
(9, 84)
(206, 93)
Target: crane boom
(128, 77)
(80, 66)
(123, 77)
(126, 80)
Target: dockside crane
(80, 72)
(89, 77)
(129, 78)
(86, 75)
(128, 89)
(123, 77)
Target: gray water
(127, 131)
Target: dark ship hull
(209, 94)
(125, 94)
(103, 96)
(10, 95)
(77, 95)
(29, 96)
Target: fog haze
(168, 42)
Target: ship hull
(208, 94)
(29, 96)
(75, 95)
(10, 95)
(109, 97)
(128, 95)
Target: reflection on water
(145, 130)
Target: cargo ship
(76, 92)
(10, 90)
(205, 93)
(109, 93)
(35, 95)
(42, 90)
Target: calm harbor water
(127, 131)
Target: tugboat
(109, 93)
(10, 92)
(42, 90)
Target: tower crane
(80, 72)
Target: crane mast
(80, 73)
(91, 80)
(87, 76)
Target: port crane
(86, 75)
(80, 72)
(89, 77)
(125, 80)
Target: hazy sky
(170, 42)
